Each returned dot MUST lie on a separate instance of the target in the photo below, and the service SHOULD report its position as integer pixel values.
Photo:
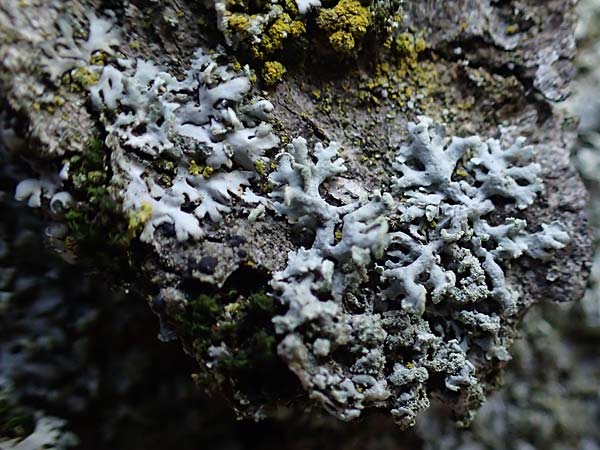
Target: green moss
(224, 317)
(262, 301)
(15, 421)
(95, 217)
(242, 322)
(263, 346)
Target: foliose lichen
(377, 270)
(217, 129)
(69, 53)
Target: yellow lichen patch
(261, 167)
(236, 66)
(99, 59)
(461, 172)
(409, 46)
(290, 5)
(238, 22)
(71, 246)
(84, 78)
(403, 78)
(139, 218)
(194, 169)
(273, 38)
(273, 71)
(207, 171)
(345, 23)
(342, 41)
(232, 308)
(58, 100)
(465, 106)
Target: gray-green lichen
(440, 248)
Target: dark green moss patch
(15, 422)
(95, 220)
(232, 336)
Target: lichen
(48, 434)
(440, 250)
(273, 72)
(458, 210)
(388, 297)
(403, 79)
(268, 30)
(69, 53)
(211, 132)
(275, 35)
(345, 23)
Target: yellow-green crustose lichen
(276, 34)
(267, 30)
(345, 24)
(273, 71)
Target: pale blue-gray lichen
(440, 249)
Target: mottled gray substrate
(498, 69)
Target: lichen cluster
(80, 58)
(345, 24)
(402, 78)
(380, 272)
(264, 31)
(263, 34)
(549, 399)
(221, 131)
(388, 297)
